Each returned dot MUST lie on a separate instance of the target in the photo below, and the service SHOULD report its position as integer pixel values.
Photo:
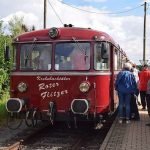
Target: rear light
(84, 86)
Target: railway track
(62, 138)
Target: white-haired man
(126, 86)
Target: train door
(102, 79)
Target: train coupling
(98, 126)
(100, 123)
(15, 104)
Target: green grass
(2, 111)
(3, 100)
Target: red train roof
(65, 33)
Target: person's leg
(142, 96)
(148, 103)
(137, 115)
(121, 105)
(148, 106)
(127, 104)
(132, 109)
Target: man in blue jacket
(126, 86)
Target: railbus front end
(64, 74)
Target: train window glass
(72, 56)
(36, 57)
(14, 58)
(119, 60)
(115, 59)
(122, 62)
(102, 56)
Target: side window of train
(118, 60)
(14, 57)
(115, 59)
(102, 56)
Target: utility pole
(144, 35)
(45, 8)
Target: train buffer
(133, 136)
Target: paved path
(133, 136)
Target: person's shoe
(120, 121)
(148, 124)
(127, 121)
(143, 109)
(133, 116)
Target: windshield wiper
(27, 58)
(80, 48)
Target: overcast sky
(122, 19)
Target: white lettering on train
(39, 78)
(57, 94)
(43, 88)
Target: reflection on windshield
(68, 56)
(37, 58)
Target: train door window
(102, 56)
(72, 56)
(36, 57)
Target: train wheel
(34, 118)
(52, 116)
(52, 113)
(28, 121)
(14, 120)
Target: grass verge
(3, 111)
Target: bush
(3, 101)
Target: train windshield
(102, 56)
(72, 56)
(35, 57)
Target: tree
(1, 29)
(17, 26)
(4, 66)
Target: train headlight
(22, 87)
(53, 32)
(84, 86)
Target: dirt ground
(9, 136)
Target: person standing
(144, 76)
(134, 97)
(125, 85)
(136, 73)
(148, 99)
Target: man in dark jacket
(126, 86)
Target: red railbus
(64, 74)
